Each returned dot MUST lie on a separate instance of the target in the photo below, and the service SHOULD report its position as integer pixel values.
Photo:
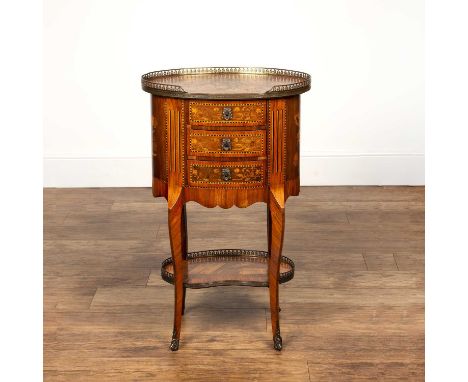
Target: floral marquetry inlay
(243, 113)
(243, 174)
(246, 143)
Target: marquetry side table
(225, 137)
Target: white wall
(362, 121)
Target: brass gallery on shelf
(225, 137)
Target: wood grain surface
(353, 312)
(209, 112)
(270, 136)
(241, 174)
(242, 144)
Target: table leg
(177, 233)
(276, 219)
(269, 228)
(185, 249)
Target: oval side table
(225, 137)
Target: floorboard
(353, 312)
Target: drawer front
(226, 174)
(227, 143)
(219, 113)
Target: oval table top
(226, 83)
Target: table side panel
(274, 154)
(159, 138)
(293, 141)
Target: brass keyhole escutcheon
(226, 174)
(227, 113)
(226, 144)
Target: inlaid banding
(175, 138)
(241, 174)
(241, 144)
(277, 137)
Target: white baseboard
(97, 172)
(327, 169)
(362, 170)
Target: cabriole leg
(276, 233)
(178, 248)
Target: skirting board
(316, 170)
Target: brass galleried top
(226, 83)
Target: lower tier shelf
(222, 267)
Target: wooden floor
(353, 312)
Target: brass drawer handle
(226, 174)
(226, 144)
(227, 113)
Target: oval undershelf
(223, 267)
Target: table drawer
(226, 174)
(233, 113)
(227, 143)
